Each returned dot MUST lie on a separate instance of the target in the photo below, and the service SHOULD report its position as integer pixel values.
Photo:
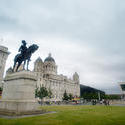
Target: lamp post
(99, 96)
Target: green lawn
(74, 115)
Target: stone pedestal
(19, 92)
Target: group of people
(104, 101)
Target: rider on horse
(23, 48)
(24, 56)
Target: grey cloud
(86, 36)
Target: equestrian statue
(24, 55)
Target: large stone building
(3, 57)
(47, 76)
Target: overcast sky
(86, 36)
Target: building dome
(38, 65)
(49, 59)
(38, 60)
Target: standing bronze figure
(25, 55)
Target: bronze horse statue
(19, 58)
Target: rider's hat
(23, 41)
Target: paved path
(24, 116)
(118, 105)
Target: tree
(1, 89)
(70, 96)
(36, 92)
(111, 97)
(89, 96)
(49, 93)
(65, 96)
(42, 92)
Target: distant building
(3, 57)
(47, 76)
(88, 89)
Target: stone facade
(3, 57)
(47, 76)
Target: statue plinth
(19, 92)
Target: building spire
(50, 54)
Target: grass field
(74, 115)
